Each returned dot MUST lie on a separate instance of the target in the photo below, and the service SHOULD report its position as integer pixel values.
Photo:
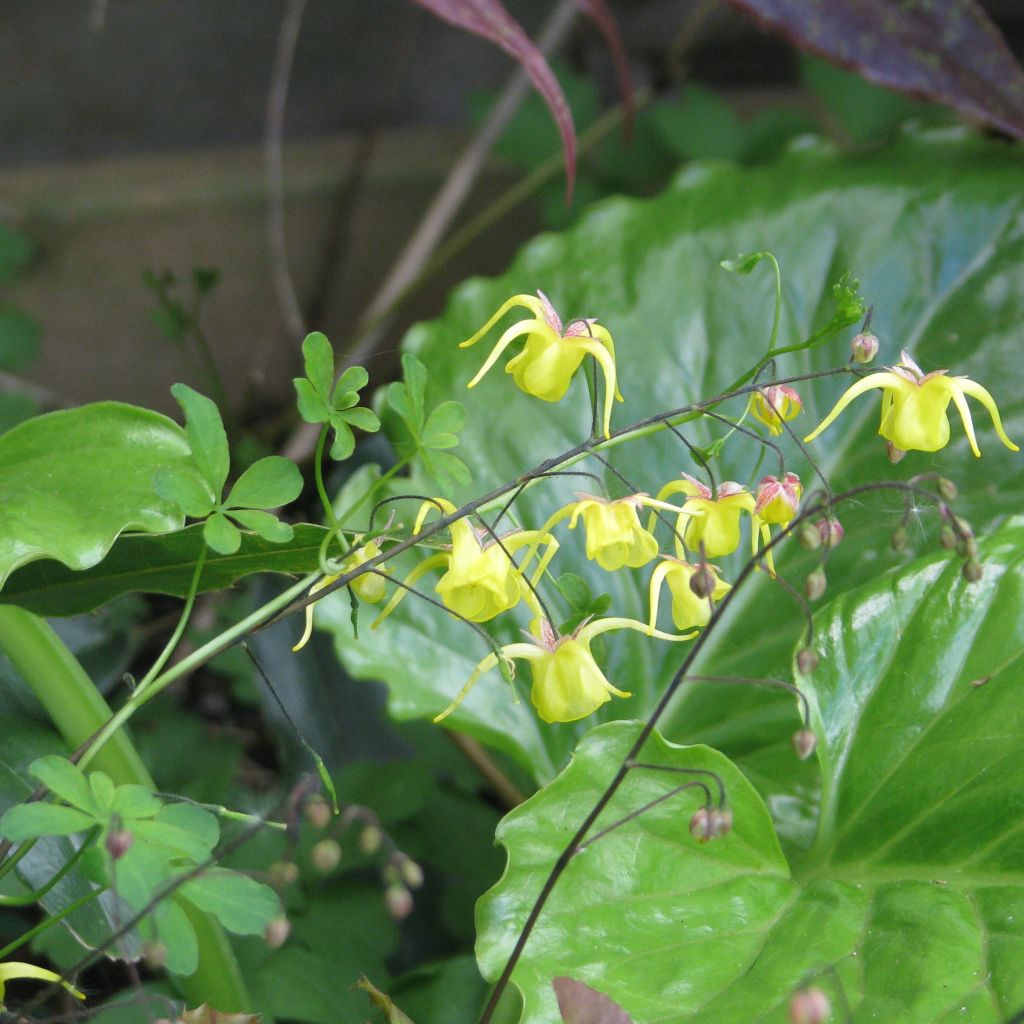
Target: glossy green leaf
(205, 432)
(684, 330)
(270, 482)
(242, 905)
(26, 821)
(908, 904)
(156, 565)
(71, 482)
(175, 931)
(183, 486)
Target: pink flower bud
(811, 1006)
(277, 931)
(399, 901)
(864, 347)
(710, 823)
(804, 743)
(815, 584)
(806, 660)
(830, 530)
(119, 842)
(808, 536)
(318, 811)
(325, 855)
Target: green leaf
(242, 905)
(313, 407)
(744, 263)
(913, 885)
(268, 483)
(26, 821)
(71, 482)
(361, 419)
(201, 824)
(264, 524)
(66, 780)
(103, 789)
(318, 357)
(19, 339)
(134, 802)
(355, 378)
(205, 432)
(414, 375)
(443, 424)
(344, 443)
(175, 931)
(223, 536)
(183, 486)
(157, 565)
(684, 330)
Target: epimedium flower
(776, 502)
(615, 535)
(480, 580)
(914, 405)
(552, 353)
(568, 684)
(689, 611)
(13, 970)
(774, 405)
(370, 587)
(713, 519)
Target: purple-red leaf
(946, 51)
(490, 20)
(580, 1004)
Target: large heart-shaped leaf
(909, 905)
(72, 481)
(933, 229)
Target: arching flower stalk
(568, 684)
(711, 520)
(776, 503)
(615, 535)
(914, 405)
(689, 610)
(480, 579)
(552, 353)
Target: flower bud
(830, 530)
(154, 955)
(947, 538)
(864, 347)
(967, 548)
(814, 585)
(284, 872)
(807, 660)
(811, 1006)
(325, 855)
(808, 536)
(703, 582)
(370, 840)
(411, 872)
(119, 842)
(318, 811)
(710, 823)
(277, 931)
(899, 538)
(398, 900)
(946, 489)
(972, 570)
(895, 454)
(962, 527)
(804, 743)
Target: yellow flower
(776, 503)
(914, 405)
(615, 535)
(688, 610)
(370, 587)
(568, 684)
(773, 405)
(481, 580)
(552, 353)
(713, 520)
(11, 970)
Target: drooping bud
(967, 548)
(398, 900)
(864, 347)
(946, 489)
(277, 931)
(318, 811)
(895, 454)
(830, 530)
(947, 538)
(804, 743)
(815, 584)
(808, 536)
(702, 581)
(154, 955)
(119, 842)
(900, 537)
(962, 527)
(972, 570)
(284, 872)
(325, 855)
(807, 660)
(775, 405)
(710, 823)
(811, 1006)
(370, 840)
(411, 872)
